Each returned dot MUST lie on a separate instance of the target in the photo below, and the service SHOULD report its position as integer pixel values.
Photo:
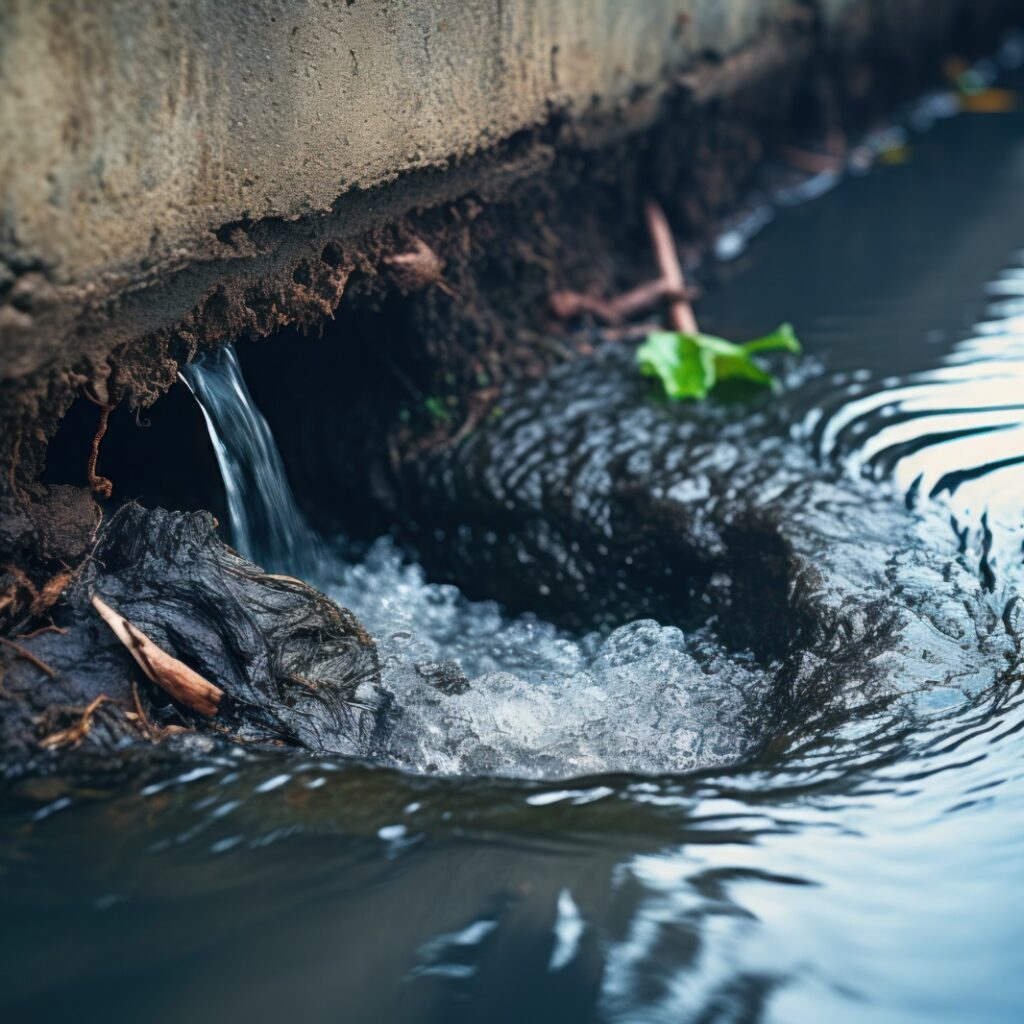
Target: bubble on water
(540, 702)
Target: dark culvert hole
(332, 397)
(162, 458)
(336, 401)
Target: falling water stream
(569, 855)
(266, 524)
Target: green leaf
(678, 361)
(689, 366)
(782, 338)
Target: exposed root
(51, 592)
(150, 729)
(181, 683)
(27, 655)
(670, 286)
(51, 628)
(21, 579)
(569, 304)
(73, 735)
(99, 484)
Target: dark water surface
(873, 873)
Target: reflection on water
(955, 432)
(872, 874)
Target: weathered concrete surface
(130, 128)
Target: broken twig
(24, 652)
(567, 304)
(49, 628)
(180, 682)
(74, 734)
(669, 286)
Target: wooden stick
(566, 304)
(74, 735)
(182, 683)
(644, 296)
(50, 628)
(680, 312)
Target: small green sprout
(436, 407)
(690, 365)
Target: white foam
(540, 703)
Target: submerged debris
(32, 659)
(75, 734)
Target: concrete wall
(127, 126)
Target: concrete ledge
(129, 128)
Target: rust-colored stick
(566, 304)
(99, 484)
(643, 296)
(74, 735)
(680, 312)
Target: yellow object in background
(990, 101)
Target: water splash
(266, 525)
(472, 689)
